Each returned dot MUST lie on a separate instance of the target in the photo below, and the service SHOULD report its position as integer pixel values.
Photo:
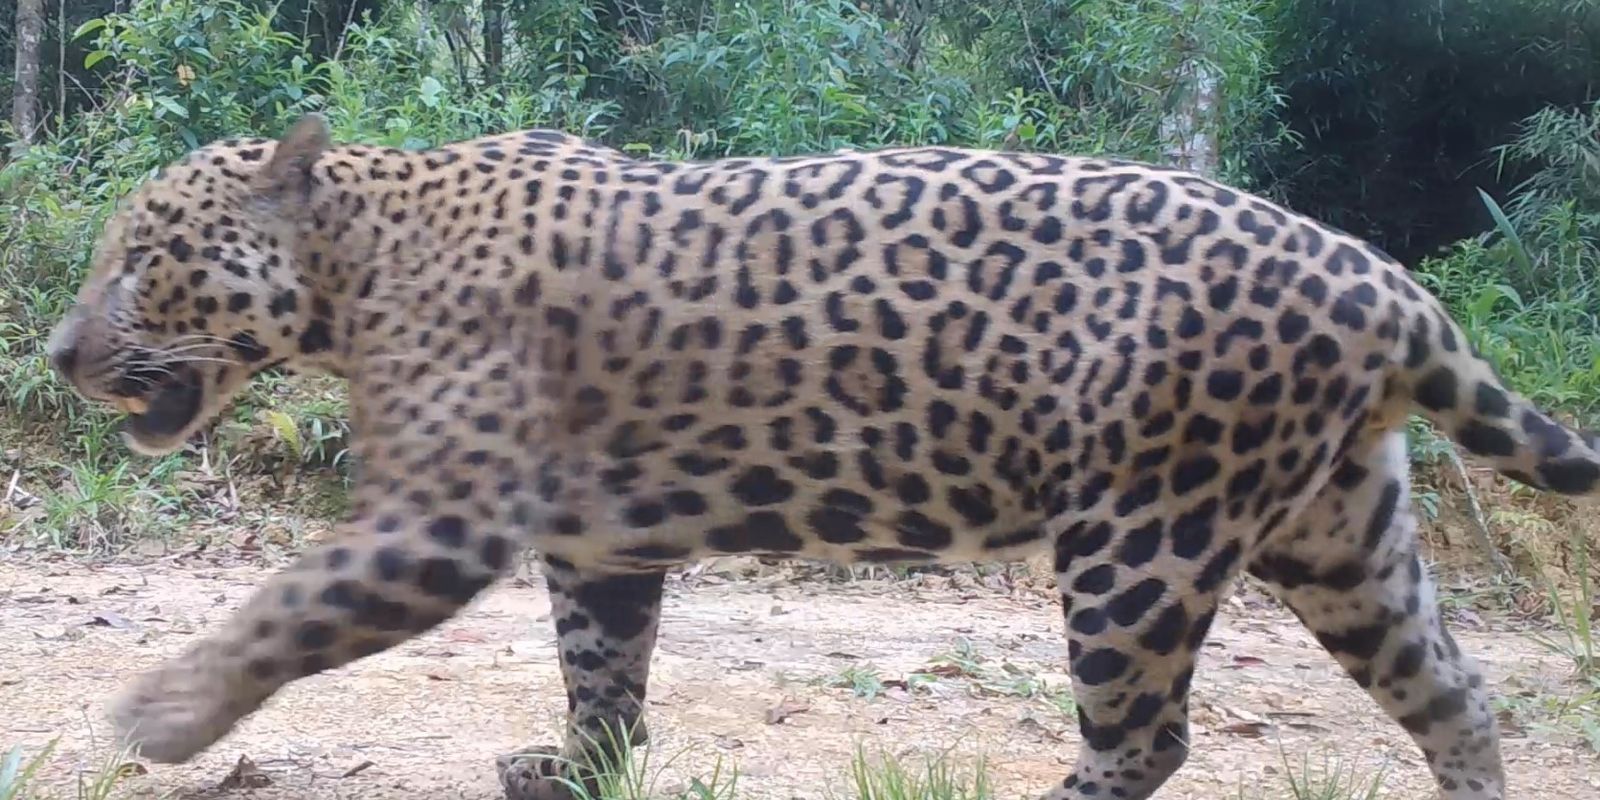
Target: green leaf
(431, 89)
(94, 58)
(171, 106)
(287, 431)
(1501, 221)
(90, 26)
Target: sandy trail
(427, 718)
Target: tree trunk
(1189, 128)
(25, 99)
(494, 40)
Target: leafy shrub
(1529, 292)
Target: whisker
(188, 348)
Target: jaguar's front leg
(388, 577)
(436, 521)
(605, 630)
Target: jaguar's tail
(1460, 392)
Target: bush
(1529, 292)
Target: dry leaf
(53, 633)
(245, 775)
(1253, 730)
(946, 671)
(357, 769)
(1029, 723)
(111, 619)
(782, 711)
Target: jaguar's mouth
(166, 411)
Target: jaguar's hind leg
(1349, 570)
(606, 632)
(1135, 618)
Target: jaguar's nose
(64, 360)
(62, 348)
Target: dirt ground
(427, 719)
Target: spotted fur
(909, 355)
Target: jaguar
(911, 355)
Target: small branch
(15, 492)
(1480, 524)
(344, 33)
(1033, 51)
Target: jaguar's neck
(397, 240)
(361, 246)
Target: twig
(1480, 525)
(344, 33)
(15, 491)
(1033, 52)
(357, 769)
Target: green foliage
(708, 78)
(1399, 105)
(888, 778)
(202, 69)
(1528, 292)
(789, 77)
(19, 778)
(1333, 780)
(1118, 68)
(393, 86)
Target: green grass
(636, 773)
(1574, 635)
(19, 776)
(1332, 780)
(1005, 679)
(888, 778)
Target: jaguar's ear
(287, 176)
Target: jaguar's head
(195, 286)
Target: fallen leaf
(1029, 723)
(1253, 730)
(1306, 726)
(357, 769)
(111, 619)
(782, 711)
(947, 671)
(245, 775)
(53, 633)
